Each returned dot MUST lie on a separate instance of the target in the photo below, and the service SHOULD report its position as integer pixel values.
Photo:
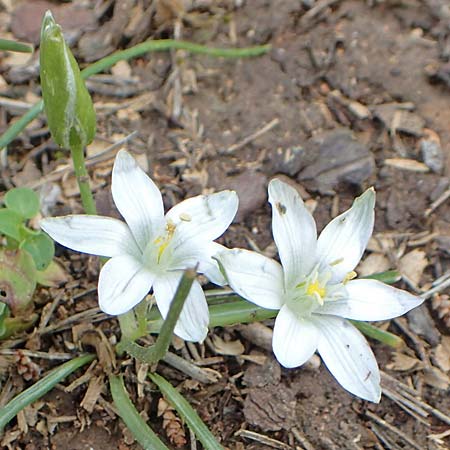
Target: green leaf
(67, 103)
(10, 223)
(388, 277)
(39, 389)
(23, 201)
(17, 280)
(135, 423)
(3, 315)
(53, 275)
(188, 414)
(40, 247)
(14, 46)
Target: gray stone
(339, 157)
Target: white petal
(254, 277)
(349, 358)
(371, 300)
(294, 340)
(122, 284)
(343, 241)
(191, 253)
(137, 198)
(193, 322)
(96, 235)
(203, 218)
(294, 231)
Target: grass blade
(135, 423)
(188, 414)
(39, 389)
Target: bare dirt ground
(352, 94)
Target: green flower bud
(68, 105)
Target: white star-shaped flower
(151, 249)
(315, 291)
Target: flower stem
(135, 423)
(140, 49)
(40, 388)
(153, 354)
(82, 175)
(187, 413)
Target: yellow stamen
(317, 291)
(163, 241)
(349, 277)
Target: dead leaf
(436, 378)
(231, 348)
(442, 354)
(412, 265)
(374, 263)
(94, 390)
(402, 363)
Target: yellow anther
(317, 291)
(349, 277)
(163, 241)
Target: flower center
(163, 241)
(316, 290)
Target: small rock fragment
(288, 160)
(271, 408)
(26, 19)
(339, 157)
(430, 148)
(251, 188)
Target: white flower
(151, 249)
(315, 291)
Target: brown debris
(172, 424)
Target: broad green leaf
(17, 280)
(23, 201)
(10, 223)
(40, 247)
(52, 275)
(67, 103)
(14, 46)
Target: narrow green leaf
(14, 46)
(67, 103)
(388, 277)
(41, 248)
(40, 388)
(188, 414)
(10, 223)
(385, 337)
(135, 423)
(23, 201)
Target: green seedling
(26, 259)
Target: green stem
(138, 50)
(231, 309)
(82, 175)
(172, 44)
(154, 353)
(135, 423)
(188, 414)
(39, 389)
